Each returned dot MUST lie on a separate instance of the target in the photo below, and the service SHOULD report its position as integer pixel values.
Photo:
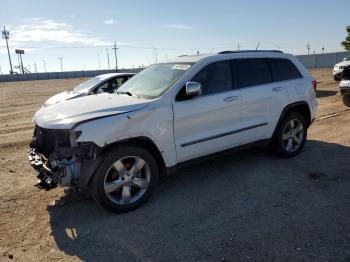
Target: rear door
(210, 122)
(262, 99)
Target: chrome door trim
(222, 134)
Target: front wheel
(125, 179)
(346, 100)
(291, 135)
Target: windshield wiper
(127, 93)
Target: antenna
(257, 46)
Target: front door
(210, 122)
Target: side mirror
(193, 89)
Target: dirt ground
(248, 206)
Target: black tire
(346, 100)
(279, 143)
(97, 185)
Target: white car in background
(96, 85)
(344, 86)
(338, 68)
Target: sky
(80, 32)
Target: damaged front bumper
(55, 173)
(60, 161)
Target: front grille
(46, 140)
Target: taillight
(314, 84)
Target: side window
(283, 69)
(103, 88)
(215, 78)
(251, 72)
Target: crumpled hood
(66, 114)
(66, 95)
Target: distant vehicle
(345, 86)
(99, 84)
(169, 115)
(338, 68)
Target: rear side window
(215, 78)
(251, 72)
(283, 69)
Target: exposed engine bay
(59, 159)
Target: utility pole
(238, 47)
(6, 36)
(115, 55)
(0, 71)
(20, 57)
(35, 68)
(308, 48)
(156, 54)
(20, 52)
(61, 58)
(109, 67)
(322, 48)
(99, 63)
(44, 64)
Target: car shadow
(248, 205)
(325, 93)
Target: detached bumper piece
(44, 174)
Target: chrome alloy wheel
(127, 180)
(293, 135)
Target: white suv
(169, 115)
(338, 68)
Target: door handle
(277, 89)
(230, 98)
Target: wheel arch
(141, 141)
(300, 107)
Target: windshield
(154, 80)
(86, 86)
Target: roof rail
(248, 51)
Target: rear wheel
(346, 100)
(125, 179)
(291, 135)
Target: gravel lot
(248, 206)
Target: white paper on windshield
(181, 66)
